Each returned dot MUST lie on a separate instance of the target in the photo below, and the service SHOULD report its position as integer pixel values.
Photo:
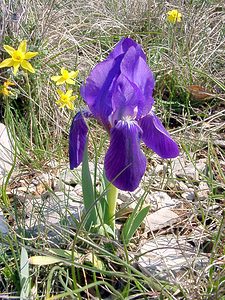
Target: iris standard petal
(77, 140)
(157, 138)
(125, 100)
(97, 91)
(125, 163)
(135, 68)
(122, 47)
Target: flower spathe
(18, 58)
(65, 77)
(174, 16)
(66, 99)
(118, 93)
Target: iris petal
(125, 100)
(157, 138)
(77, 140)
(125, 163)
(97, 91)
(135, 68)
(122, 47)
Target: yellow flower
(66, 99)
(5, 88)
(18, 58)
(174, 16)
(65, 77)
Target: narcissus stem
(112, 198)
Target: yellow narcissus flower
(18, 58)
(65, 77)
(5, 88)
(174, 16)
(66, 99)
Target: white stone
(51, 208)
(188, 195)
(6, 152)
(160, 199)
(186, 169)
(3, 226)
(203, 191)
(160, 219)
(167, 256)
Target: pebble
(160, 219)
(169, 257)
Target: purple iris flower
(118, 93)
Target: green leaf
(133, 222)
(88, 193)
(24, 275)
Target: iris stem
(112, 198)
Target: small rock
(6, 152)
(160, 219)
(203, 191)
(52, 208)
(3, 225)
(69, 177)
(182, 186)
(167, 256)
(160, 199)
(188, 195)
(185, 169)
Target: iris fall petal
(157, 138)
(125, 163)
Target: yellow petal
(65, 73)
(62, 70)
(16, 67)
(8, 83)
(59, 92)
(23, 46)
(58, 102)
(70, 81)
(69, 93)
(74, 74)
(70, 106)
(9, 49)
(27, 66)
(7, 63)
(30, 55)
(55, 78)
(60, 81)
(72, 98)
